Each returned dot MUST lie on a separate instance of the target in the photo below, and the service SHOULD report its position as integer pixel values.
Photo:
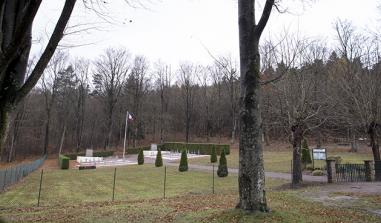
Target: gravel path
(275, 175)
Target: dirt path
(360, 195)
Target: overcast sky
(175, 31)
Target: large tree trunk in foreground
(297, 137)
(16, 18)
(251, 177)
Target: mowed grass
(85, 196)
(132, 183)
(280, 161)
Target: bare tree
(137, 88)
(17, 17)
(187, 75)
(49, 84)
(251, 171)
(163, 73)
(359, 82)
(230, 78)
(109, 77)
(81, 67)
(205, 96)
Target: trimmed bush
(183, 162)
(213, 156)
(222, 170)
(137, 149)
(63, 162)
(306, 155)
(197, 148)
(141, 157)
(159, 159)
(103, 153)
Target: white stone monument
(89, 153)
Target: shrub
(141, 157)
(103, 153)
(159, 159)
(63, 162)
(199, 148)
(213, 156)
(222, 170)
(336, 158)
(306, 155)
(183, 162)
(137, 149)
(318, 173)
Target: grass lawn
(280, 161)
(85, 196)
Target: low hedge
(63, 162)
(73, 156)
(137, 149)
(198, 148)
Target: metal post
(39, 191)
(125, 135)
(213, 180)
(165, 179)
(113, 188)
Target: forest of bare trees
(317, 91)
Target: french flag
(130, 117)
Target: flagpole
(125, 136)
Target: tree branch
(48, 52)
(20, 36)
(264, 18)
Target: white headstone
(89, 152)
(153, 147)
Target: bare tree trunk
(354, 145)
(161, 116)
(266, 136)
(234, 129)
(62, 139)
(17, 122)
(297, 136)
(136, 135)
(10, 156)
(187, 127)
(4, 128)
(373, 134)
(251, 177)
(318, 141)
(109, 129)
(47, 128)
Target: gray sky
(175, 31)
